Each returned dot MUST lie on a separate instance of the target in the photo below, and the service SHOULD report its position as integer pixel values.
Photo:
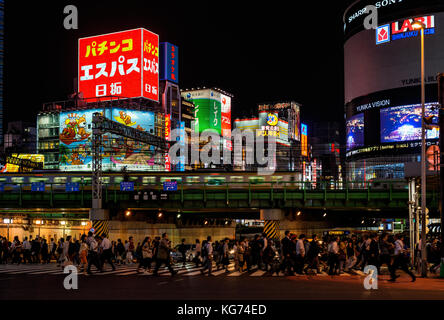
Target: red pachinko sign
(121, 64)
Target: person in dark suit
(286, 253)
(313, 254)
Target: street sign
(126, 186)
(38, 186)
(156, 195)
(170, 186)
(72, 187)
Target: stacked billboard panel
(121, 64)
(118, 152)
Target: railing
(195, 195)
(300, 185)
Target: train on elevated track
(207, 178)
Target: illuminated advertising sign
(291, 117)
(226, 120)
(304, 142)
(297, 122)
(355, 131)
(207, 111)
(403, 29)
(303, 171)
(181, 163)
(122, 64)
(167, 138)
(118, 152)
(247, 124)
(314, 173)
(10, 167)
(403, 123)
(169, 62)
(433, 158)
(270, 125)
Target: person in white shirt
(333, 256)
(197, 250)
(107, 254)
(400, 260)
(93, 254)
(300, 254)
(26, 250)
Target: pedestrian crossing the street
(189, 270)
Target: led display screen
(403, 123)
(355, 131)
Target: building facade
(282, 121)
(382, 86)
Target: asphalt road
(244, 287)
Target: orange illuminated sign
(304, 142)
(167, 138)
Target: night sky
(264, 52)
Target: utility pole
(441, 171)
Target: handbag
(162, 254)
(147, 254)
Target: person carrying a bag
(163, 255)
(147, 255)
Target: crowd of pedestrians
(293, 254)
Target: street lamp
(38, 222)
(7, 221)
(418, 25)
(83, 223)
(63, 223)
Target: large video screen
(403, 123)
(118, 152)
(355, 131)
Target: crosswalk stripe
(192, 273)
(258, 273)
(114, 272)
(189, 269)
(216, 273)
(41, 272)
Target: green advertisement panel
(207, 109)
